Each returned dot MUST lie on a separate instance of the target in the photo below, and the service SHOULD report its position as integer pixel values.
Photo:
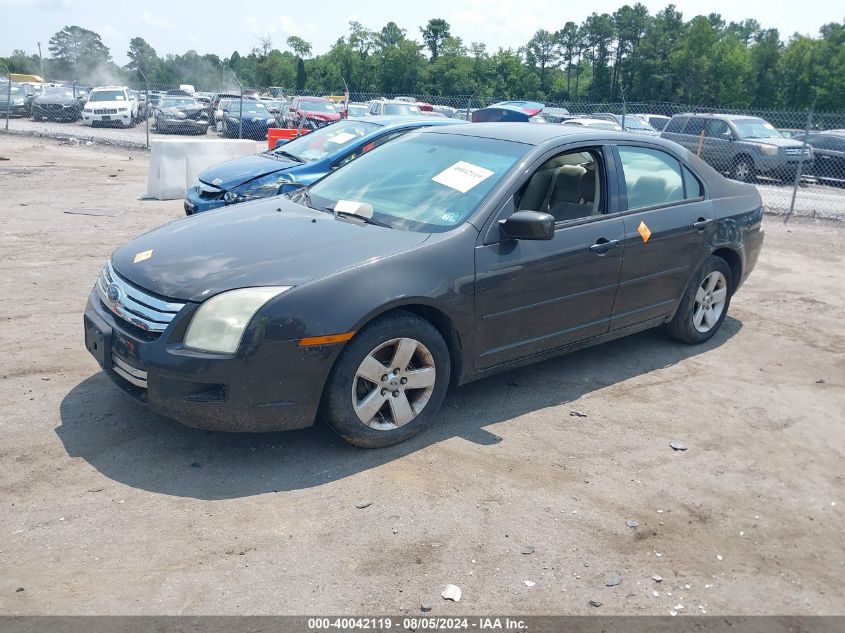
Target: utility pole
(40, 57)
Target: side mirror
(728, 135)
(528, 225)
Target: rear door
(716, 147)
(668, 227)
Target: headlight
(220, 322)
(259, 188)
(17, 100)
(769, 150)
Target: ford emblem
(113, 294)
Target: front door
(534, 296)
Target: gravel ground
(106, 508)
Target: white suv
(108, 105)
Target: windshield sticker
(363, 209)
(462, 176)
(450, 217)
(342, 138)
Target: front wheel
(389, 382)
(704, 306)
(743, 169)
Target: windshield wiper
(349, 214)
(288, 155)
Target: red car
(311, 112)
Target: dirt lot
(107, 508)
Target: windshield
(422, 182)
(250, 107)
(633, 123)
(317, 106)
(327, 140)
(357, 111)
(756, 128)
(108, 95)
(172, 103)
(401, 109)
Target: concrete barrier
(175, 163)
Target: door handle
(702, 223)
(603, 245)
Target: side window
(652, 177)
(695, 126)
(716, 128)
(360, 151)
(374, 108)
(567, 186)
(676, 125)
(692, 185)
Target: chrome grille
(796, 151)
(134, 305)
(137, 377)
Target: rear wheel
(705, 303)
(389, 382)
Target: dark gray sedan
(439, 258)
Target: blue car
(299, 162)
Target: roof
(397, 121)
(732, 117)
(532, 134)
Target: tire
(694, 322)
(743, 169)
(402, 413)
(36, 118)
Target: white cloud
(151, 20)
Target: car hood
(775, 140)
(56, 99)
(250, 116)
(322, 116)
(237, 171)
(271, 242)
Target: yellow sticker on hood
(644, 231)
(142, 256)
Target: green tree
(299, 46)
(78, 51)
(142, 57)
(390, 35)
(433, 34)
(543, 51)
(301, 74)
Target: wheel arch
(734, 261)
(442, 322)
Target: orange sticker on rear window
(644, 231)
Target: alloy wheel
(710, 301)
(393, 384)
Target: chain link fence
(796, 159)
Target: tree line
(629, 54)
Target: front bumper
(55, 112)
(195, 202)
(267, 387)
(124, 118)
(779, 166)
(183, 125)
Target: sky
(220, 27)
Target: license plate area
(98, 341)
